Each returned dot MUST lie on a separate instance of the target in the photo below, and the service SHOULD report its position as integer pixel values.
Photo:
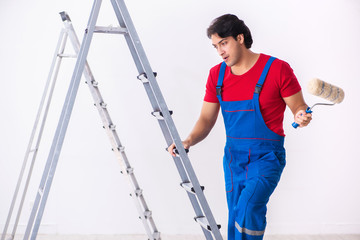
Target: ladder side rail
(113, 136)
(167, 117)
(50, 81)
(56, 72)
(62, 126)
(127, 37)
(153, 102)
(134, 54)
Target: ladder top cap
(65, 16)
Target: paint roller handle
(294, 124)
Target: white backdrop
(320, 187)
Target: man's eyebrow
(220, 41)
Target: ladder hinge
(189, 187)
(159, 115)
(143, 77)
(112, 127)
(204, 223)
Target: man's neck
(246, 62)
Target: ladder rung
(204, 223)
(159, 115)
(110, 29)
(189, 187)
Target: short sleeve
(210, 93)
(289, 84)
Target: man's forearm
(200, 131)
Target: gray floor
(189, 237)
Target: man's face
(228, 48)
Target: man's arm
(298, 106)
(203, 126)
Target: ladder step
(93, 82)
(147, 214)
(103, 105)
(120, 149)
(189, 187)
(110, 29)
(176, 151)
(138, 192)
(159, 115)
(204, 223)
(129, 170)
(143, 77)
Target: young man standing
(252, 91)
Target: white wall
(319, 191)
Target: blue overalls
(253, 162)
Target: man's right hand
(172, 147)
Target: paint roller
(325, 90)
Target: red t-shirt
(279, 83)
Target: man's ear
(240, 38)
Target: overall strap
(220, 81)
(263, 76)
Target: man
(253, 91)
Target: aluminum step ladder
(188, 177)
(145, 214)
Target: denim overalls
(253, 162)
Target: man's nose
(220, 51)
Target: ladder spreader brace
(188, 177)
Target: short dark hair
(230, 25)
